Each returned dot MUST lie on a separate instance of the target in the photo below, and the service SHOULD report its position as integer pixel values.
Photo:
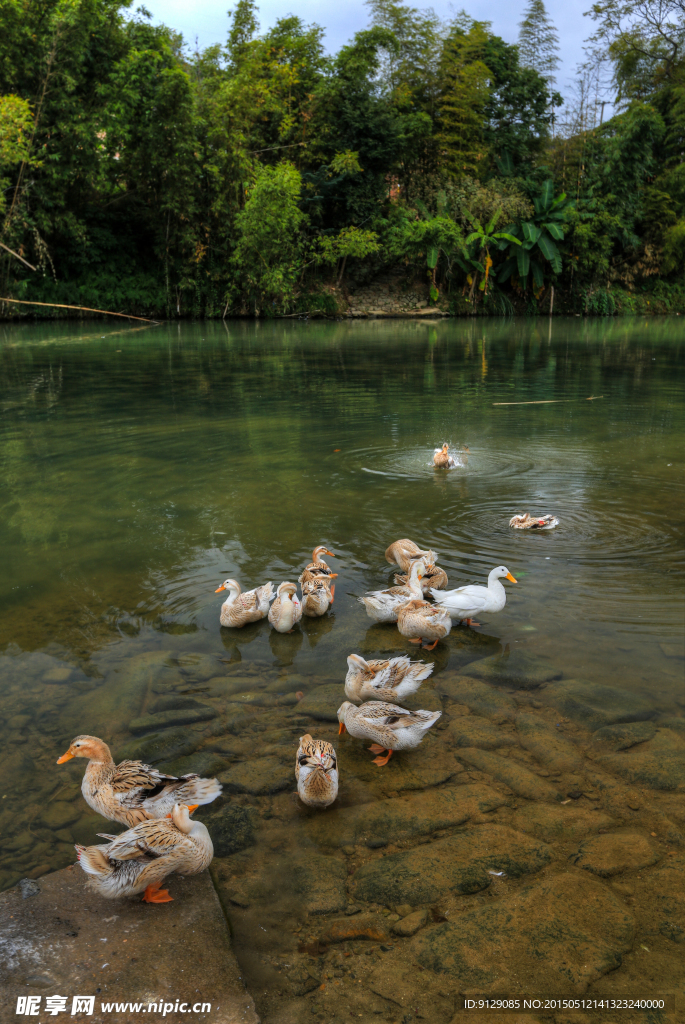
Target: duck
(131, 792)
(443, 459)
(466, 602)
(317, 596)
(286, 611)
(383, 680)
(317, 567)
(383, 605)
(402, 552)
(389, 726)
(419, 621)
(240, 608)
(524, 521)
(139, 859)
(316, 771)
(433, 577)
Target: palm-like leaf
(523, 261)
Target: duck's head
(356, 663)
(229, 585)
(287, 590)
(321, 550)
(86, 746)
(445, 448)
(502, 573)
(181, 816)
(342, 711)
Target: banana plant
(537, 239)
(476, 258)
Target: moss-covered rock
(459, 864)
(515, 668)
(615, 852)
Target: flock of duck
(161, 837)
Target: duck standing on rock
(316, 771)
(380, 680)
(420, 621)
(140, 859)
(389, 726)
(238, 609)
(286, 611)
(466, 602)
(132, 792)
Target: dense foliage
(266, 177)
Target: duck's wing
(472, 597)
(150, 839)
(134, 782)
(379, 714)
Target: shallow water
(142, 467)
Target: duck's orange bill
(331, 554)
(192, 807)
(222, 587)
(341, 729)
(333, 576)
(512, 578)
(65, 757)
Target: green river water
(141, 467)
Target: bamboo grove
(266, 177)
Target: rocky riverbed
(532, 845)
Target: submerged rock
(174, 702)
(545, 743)
(58, 814)
(664, 893)
(517, 668)
(595, 705)
(410, 924)
(359, 926)
(456, 865)
(402, 818)
(204, 762)
(659, 762)
(624, 736)
(167, 719)
(160, 746)
(259, 775)
(554, 821)
(231, 827)
(322, 702)
(613, 853)
(473, 731)
(519, 779)
(556, 935)
(478, 697)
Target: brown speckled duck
(316, 771)
(131, 792)
(140, 859)
(389, 726)
(238, 609)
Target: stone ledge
(66, 940)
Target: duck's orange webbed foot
(430, 647)
(380, 761)
(472, 622)
(376, 748)
(153, 894)
(419, 641)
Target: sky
(207, 21)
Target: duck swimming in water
(524, 521)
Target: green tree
(268, 254)
(538, 41)
(534, 245)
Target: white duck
(466, 602)
(383, 605)
(238, 609)
(286, 611)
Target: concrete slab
(57, 938)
